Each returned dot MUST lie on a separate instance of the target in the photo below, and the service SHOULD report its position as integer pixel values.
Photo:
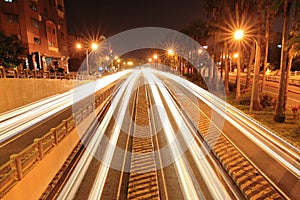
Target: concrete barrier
(18, 92)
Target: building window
(35, 23)
(33, 6)
(37, 40)
(51, 34)
(12, 18)
(9, 1)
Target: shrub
(245, 99)
(266, 100)
(295, 110)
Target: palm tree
(293, 45)
(271, 7)
(280, 107)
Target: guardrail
(15, 73)
(293, 80)
(21, 163)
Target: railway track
(251, 182)
(143, 179)
(200, 161)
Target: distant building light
(10, 1)
(205, 47)
(279, 46)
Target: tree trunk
(226, 78)
(280, 107)
(248, 78)
(255, 101)
(288, 73)
(263, 84)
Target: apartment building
(41, 25)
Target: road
(200, 146)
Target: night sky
(109, 17)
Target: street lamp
(155, 57)
(170, 52)
(94, 46)
(238, 35)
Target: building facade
(41, 25)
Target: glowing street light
(236, 55)
(150, 60)
(155, 56)
(239, 34)
(94, 46)
(170, 52)
(78, 46)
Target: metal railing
(15, 73)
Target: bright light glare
(239, 34)
(94, 46)
(155, 56)
(150, 59)
(78, 46)
(170, 52)
(236, 55)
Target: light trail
(189, 189)
(27, 116)
(109, 151)
(280, 150)
(70, 188)
(216, 188)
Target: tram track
(250, 180)
(168, 147)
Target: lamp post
(155, 57)
(94, 46)
(171, 53)
(238, 35)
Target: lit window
(37, 40)
(9, 1)
(33, 6)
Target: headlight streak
(72, 184)
(17, 111)
(216, 188)
(44, 109)
(186, 181)
(98, 185)
(247, 126)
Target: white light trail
(98, 185)
(27, 116)
(276, 147)
(216, 188)
(70, 188)
(189, 189)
